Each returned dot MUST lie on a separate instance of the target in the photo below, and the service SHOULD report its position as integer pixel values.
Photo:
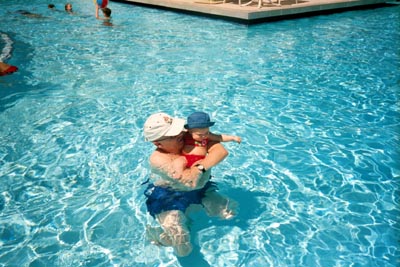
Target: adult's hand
(190, 176)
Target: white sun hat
(161, 124)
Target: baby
(199, 135)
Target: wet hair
(66, 5)
(51, 6)
(106, 11)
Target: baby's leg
(176, 232)
(216, 204)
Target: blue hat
(198, 120)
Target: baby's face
(198, 134)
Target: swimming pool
(315, 101)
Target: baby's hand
(237, 139)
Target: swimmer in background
(68, 8)
(52, 7)
(5, 54)
(199, 135)
(6, 69)
(106, 13)
(29, 14)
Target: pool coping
(255, 11)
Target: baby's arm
(224, 138)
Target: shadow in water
(249, 208)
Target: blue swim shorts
(161, 199)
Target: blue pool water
(315, 100)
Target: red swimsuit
(9, 70)
(191, 159)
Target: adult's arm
(216, 154)
(173, 167)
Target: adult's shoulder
(157, 157)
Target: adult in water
(175, 187)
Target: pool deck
(255, 11)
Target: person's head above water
(106, 12)
(68, 7)
(198, 120)
(160, 125)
